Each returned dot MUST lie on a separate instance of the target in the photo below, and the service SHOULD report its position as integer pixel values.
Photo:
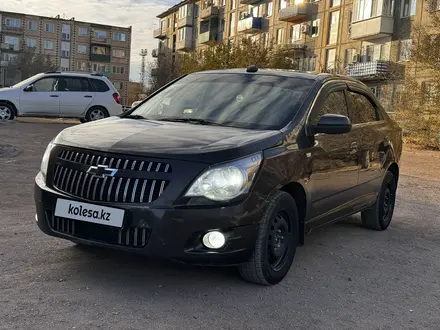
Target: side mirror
(333, 124)
(29, 88)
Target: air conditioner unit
(305, 28)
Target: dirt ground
(345, 277)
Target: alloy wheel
(97, 114)
(5, 113)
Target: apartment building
(72, 45)
(366, 39)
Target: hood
(183, 141)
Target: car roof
(75, 74)
(321, 77)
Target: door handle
(54, 96)
(88, 96)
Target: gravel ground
(345, 277)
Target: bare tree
(29, 63)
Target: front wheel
(380, 215)
(96, 113)
(276, 242)
(6, 112)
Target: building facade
(71, 45)
(366, 39)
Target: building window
(335, 3)
(296, 32)
(315, 28)
(182, 33)
(82, 66)
(349, 56)
(82, 49)
(431, 92)
(65, 64)
(364, 9)
(405, 50)
(65, 32)
(269, 8)
(183, 11)
(280, 36)
(118, 85)
(101, 68)
(31, 43)
(13, 43)
(119, 53)
(100, 34)
(13, 22)
(48, 44)
(333, 28)
(119, 36)
(65, 49)
(8, 57)
(83, 32)
(283, 4)
(408, 8)
(32, 25)
(99, 50)
(330, 60)
(49, 27)
(232, 24)
(118, 70)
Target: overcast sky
(140, 14)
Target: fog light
(214, 240)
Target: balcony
(206, 37)
(160, 33)
(365, 70)
(208, 12)
(10, 47)
(298, 13)
(184, 45)
(185, 21)
(250, 25)
(372, 28)
(12, 29)
(100, 58)
(101, 41)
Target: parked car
(230, 167)
(60, 94)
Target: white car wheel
(6, 113)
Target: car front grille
(132, 183)
(129, 237)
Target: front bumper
(172, 233)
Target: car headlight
(226, 181)
(45, 160)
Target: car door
(75, 96)
(333, 162)
(365, 117)
(41, 98)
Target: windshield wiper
(191, 121)
(135, 117)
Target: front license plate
(90, 213)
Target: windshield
(236, 100)
(26, 81)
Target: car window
(362, 110)
(45, 85)
(335, 104)
(73, 84)
(230, 99)
(99, 85)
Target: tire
(96, 113)
(262, 268)
(7, 112)
(379, 216)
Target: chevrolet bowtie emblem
(101, 171)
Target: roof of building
(173, 8)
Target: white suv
(86, 96)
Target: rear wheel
(7, 112)
(96, 113)
(276, 242)
(380, 215)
